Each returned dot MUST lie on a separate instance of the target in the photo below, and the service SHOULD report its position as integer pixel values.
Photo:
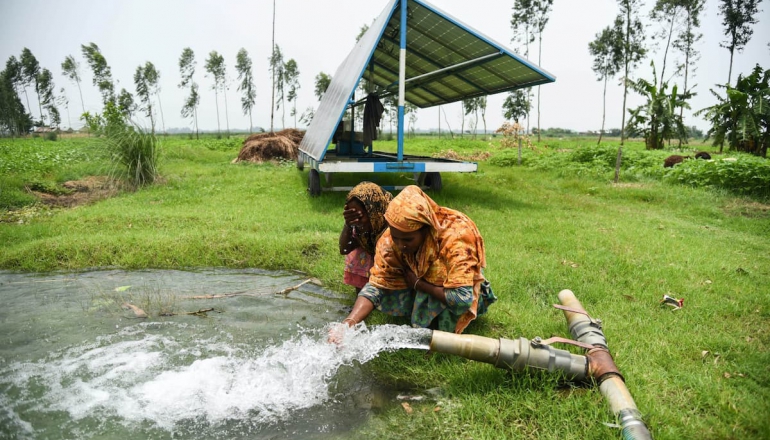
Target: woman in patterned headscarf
(364, 215)
(427, 265)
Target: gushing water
(181, 380)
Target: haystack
(270, 146)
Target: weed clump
(135, 154)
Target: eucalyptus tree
(71, 69)
(13, 116)
(279, 81)
(246, 84)
(63, 101)
(152, 76)
(187, 69)
(540, 11)
(144, 92)
(666, 13)
(215, 66)
(685, 42)
(45, 87)
(30, 69)
(126, 104)
(322, 82)
(102, 73)
(737, 17)
(291, 76)
(607, 63)
(523, 26)
(272, 67)
(630, 29)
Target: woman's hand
(410, 278)
(352, 216)
(337, 331)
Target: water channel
(77, 362)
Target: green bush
(51, 136)
(745, 175)
(231, 144)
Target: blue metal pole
(401, 82)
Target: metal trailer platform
(426, 171)
(424, 56)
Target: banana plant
(658, 120)
(742, 116)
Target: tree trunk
(665, 53)
(162, 120)
(216, 104)
(27, 96)
(439, 122)
(195, 115)
(730, 72)
(227, 117)
(604, 110)
(627, 48)
(462, 125)
(451, 134)
(272, 52)
(686, 70)
(82, 104)
(539, 63)
(251, 124)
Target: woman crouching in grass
(427, 266)
(364, 215)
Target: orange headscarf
(451, 256)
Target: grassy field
(699, 372)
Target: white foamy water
(143, 374)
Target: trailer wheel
(300, 162)
(431, 180)
(314, 183)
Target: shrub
(51, 136)
(134, 154)
(745, 175)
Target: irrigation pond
(77, 361)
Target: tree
(742, 116)
(71, 69)
(46, 97)
(152, 76)
(523, 26)
(322, 82)
(291, 76)
(246, 85)
(215, 66)
(666, 13)
(279, 81)
(187, 69)
(630, 29)
(126, 104)
(657, 120)
(30, 69)
(102, 73)
(607, 63)
(541, 9)
(516, 105)
(272, 66)
(144, 92)
(688, 37)
(14, 119)
(62, 101)
(483, 108)
(737, 18)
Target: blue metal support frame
(401, 82)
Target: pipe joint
(601, 365)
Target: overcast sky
(318, 34)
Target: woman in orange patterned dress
(427, 266)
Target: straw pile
(261, 147)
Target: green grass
(620, 248)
